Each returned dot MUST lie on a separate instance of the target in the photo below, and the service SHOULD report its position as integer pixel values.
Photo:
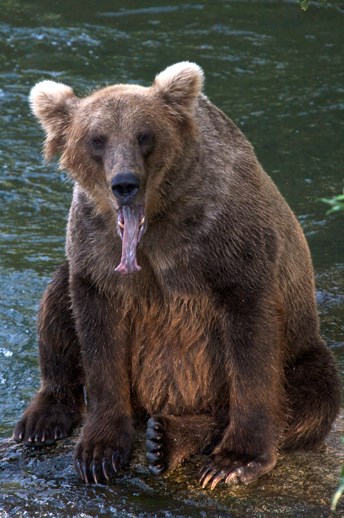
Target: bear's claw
(99, 456)
(35, 433)
(105, 471)
(214, 475)
(232, 468)
(99, 470)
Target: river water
(276, 71)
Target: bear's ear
(52, 103)
(180, 85)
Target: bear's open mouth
(130, 227)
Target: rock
(42, 481)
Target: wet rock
(42, 482)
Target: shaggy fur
(217, 336)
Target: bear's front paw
(230, 468)
(45, 421)
(99, 455)
(98, 463)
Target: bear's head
(119, 142)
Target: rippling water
(278, 72)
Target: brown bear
(187, 296)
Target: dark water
(278, 73)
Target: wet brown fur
(217, 337)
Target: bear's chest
(177, 356)
(173, 248)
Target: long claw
(94, 471)
(220, 476)
(208, 477)
(114, 465)
(104, 469)
(202, 470)
(84, 474)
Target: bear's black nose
(125, 186)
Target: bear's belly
(177, 358)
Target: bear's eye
(98, 143)
(145, 138)
(146, 142)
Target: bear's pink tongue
(130, 228)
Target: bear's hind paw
(155, 445)
(232, 468)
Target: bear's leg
(171, 439)
(56, 409)
(106, 439)
(313, 392)
(256, 395)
